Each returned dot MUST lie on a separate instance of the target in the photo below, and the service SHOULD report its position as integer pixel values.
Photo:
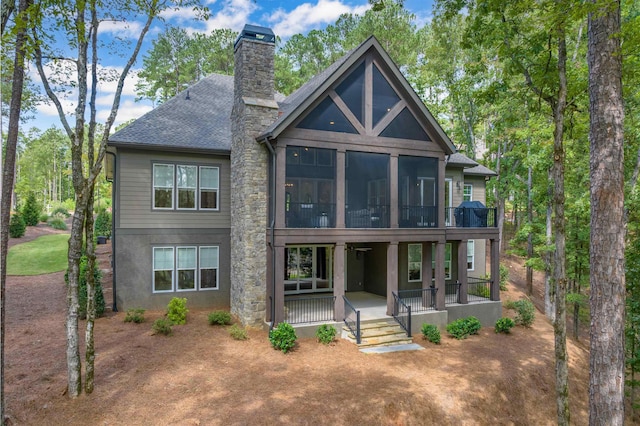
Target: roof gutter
(265, 139)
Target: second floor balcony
(323, 215)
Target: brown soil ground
(201, 376)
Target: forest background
(474, 69)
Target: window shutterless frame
(470, 255)
(163, 186)
(186, 268)
(208, 270)
(209, 188)
(162, 280)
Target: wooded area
(510, 83)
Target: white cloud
(129, 110)
(122, 29)
(309, 16)
(234, 14)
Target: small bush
(525, 312)
(463, 327)
(135, 315)
(480, 292)
(177, 310)
(219, 318)
(162, 326)
(283, 337)
(57, 223)
(431, 333)
(31, 211)
(44, 217)
(103, 224)
(326, 334)
(60, 211)
(17, 226)
(237, 332)
(504, 325)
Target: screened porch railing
(310, 215)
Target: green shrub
(504, 276)
(177, 310)
(82, 289)
(57, 223)
(504, 325)
(525, 312)
(463, 327)
(135, 315)
(31, 211)
(326, 333)
(219, 318)
(283, 337)
(44, 217)
(480, 291)
(17, 226)
(103, 224)
(237, 332)
(162, 326)
(431, 333)
(60, 211)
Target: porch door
(427, 196)
(308, 269)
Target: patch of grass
(43, 255)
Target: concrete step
(378, 334)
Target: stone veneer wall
(254, 109)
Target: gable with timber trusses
(365, 95)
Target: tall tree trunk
(90, 354)
(529, 216)
(549, 287)
(607, 279)
(74, 366)
(559, 269)
(8, 174)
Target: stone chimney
(254, 109)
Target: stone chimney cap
(255, 32)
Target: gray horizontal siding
(135, 193)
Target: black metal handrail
(309, 309)
(310, 215)
(352, 319)
(418, 217)
(478, 289)
(420, 299)
(452, 293)
(402, 313)
(372, 216)
(470, 217)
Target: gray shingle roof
(479, 170)
(196, 119)
(459, 159)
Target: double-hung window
(209, 183)
(162, 269)
(468, 192)
(163, 186)
(470, 254)
(186, 177)
(185, 268)
(185, 187)
(415, 262)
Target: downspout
(114, 307)
(272, 225)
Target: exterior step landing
(378, 334)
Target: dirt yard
(200, 376)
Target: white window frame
(464, 192)
(447, 248)
(153, 270)
(471, 253)
(194, 268)
(153, 185)
(201, 188)
(313, 280)
(195, 188)
(200, 268)
(409, 263)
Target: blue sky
(285, 17)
